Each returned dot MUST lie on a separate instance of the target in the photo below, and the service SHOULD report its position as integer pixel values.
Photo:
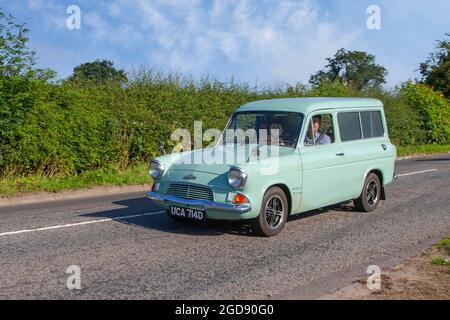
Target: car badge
(190, 177)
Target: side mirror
(162, 146)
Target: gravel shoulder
(423, 277)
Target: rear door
(364, 144)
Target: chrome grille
(188, 191)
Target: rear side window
(372, 124)
(349, 126)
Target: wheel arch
(286, 191)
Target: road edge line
(76, 224)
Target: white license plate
(187, 213)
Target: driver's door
(322, 166)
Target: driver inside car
(317, 137)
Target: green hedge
(433, 111)
(66, 128)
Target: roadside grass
(444, 245)
(134, 175)
(440, 261)
(424, 149)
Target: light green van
(281, 157)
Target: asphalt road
(127, 249)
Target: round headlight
(237, 178)
(156, 169)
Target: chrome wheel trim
(274, 212)
(372, 193)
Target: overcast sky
(259, 41)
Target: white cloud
(269, 40)
(219, 8)
(34, 4)
(114, 9)
(124, 34)
(272, 39)
(98, 24)
(152, 15)
(52, 14)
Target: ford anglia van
(300, 155)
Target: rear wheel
(370, 195)
(273, 214)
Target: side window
(245, 121)
(320, 130)
(372, 124)
(349, 126)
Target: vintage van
(278, 158)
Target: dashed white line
(79, 223)
(417, 172)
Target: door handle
(340, 154)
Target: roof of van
(306, 105)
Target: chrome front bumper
(206, 204)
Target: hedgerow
(433, 111)
(69, 127)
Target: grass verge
(444, 245)
(134, 175)
(440, 261)
(111, 176)
(424, 149)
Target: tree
(15, 57)
(436, 70)
(356, 69)
(100, 71)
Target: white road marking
(134, 216)
(417, 172)
(79, 223)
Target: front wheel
(273, 214)
(370, 195)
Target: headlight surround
(156, 169)
(237, 178)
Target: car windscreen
(264, 127)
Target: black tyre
(273, 214)
(370, 195)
